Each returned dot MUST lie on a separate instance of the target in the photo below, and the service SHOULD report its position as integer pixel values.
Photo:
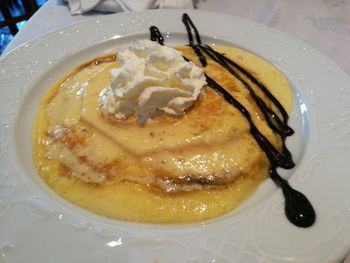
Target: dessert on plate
(167, 135)
(139, 136)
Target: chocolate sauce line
(275, 123)
(275, 157)
(260, 85)
(189, 26)
(273, 120)
(156, 35)
(269, 114)
(298, 209)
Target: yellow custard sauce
(148, 150)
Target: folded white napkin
(114, 6)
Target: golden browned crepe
(173, 169)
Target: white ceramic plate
(38, 226)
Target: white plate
(38, 226)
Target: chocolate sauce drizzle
(189, 25)
(156, 35)
(298, 209)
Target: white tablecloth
(323, 24)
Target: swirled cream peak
(151, 79)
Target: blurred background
(13, 16)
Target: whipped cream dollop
(151, 79)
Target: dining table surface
(322, 24)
